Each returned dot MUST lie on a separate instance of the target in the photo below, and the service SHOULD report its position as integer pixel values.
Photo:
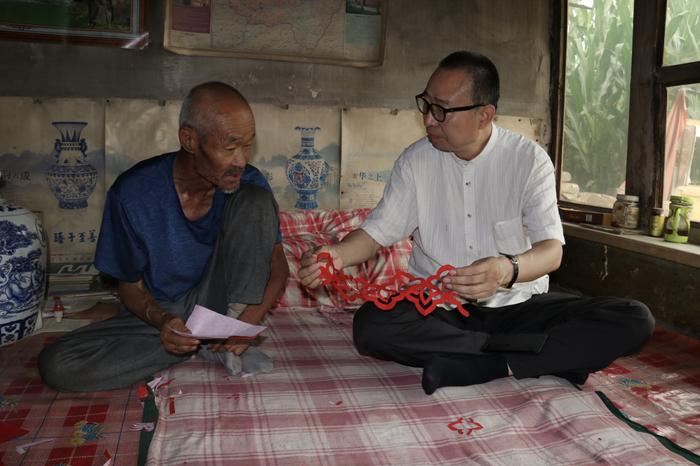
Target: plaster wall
(514, 34)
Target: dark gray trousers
(120, 351)
(585, 334)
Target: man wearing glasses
(483, 199)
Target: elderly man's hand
(174, 343)
(481, 279)
(231, 345)
(310, 271)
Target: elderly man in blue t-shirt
(197, 226)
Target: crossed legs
(584, 336)
(123, 350)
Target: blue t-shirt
(145, 235)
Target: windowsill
(688, 254)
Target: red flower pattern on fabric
(462, 426)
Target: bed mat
(326, 404)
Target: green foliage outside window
(596, 106)
(682, 44)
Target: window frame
(649, 81)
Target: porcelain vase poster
(297, 148)
(52, 160)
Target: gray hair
(191, 112)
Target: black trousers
(584, 334)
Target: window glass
(682, 37)
(596, 103)
(682, 148)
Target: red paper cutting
(142, 392)
(426, 294)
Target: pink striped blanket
(324, 404)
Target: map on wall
(347, 32)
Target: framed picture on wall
(116, 23)
(343, 32)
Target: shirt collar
(485, 152)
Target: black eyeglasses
(438, 111)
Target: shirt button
(471, 247)
(468, 183)
(469, 215)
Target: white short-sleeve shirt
(459, 211)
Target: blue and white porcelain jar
(22, 272)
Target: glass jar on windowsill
(677, 228)
(625, 211)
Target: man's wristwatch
(516, 268)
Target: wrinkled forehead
(235, 126)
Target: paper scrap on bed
(205, 323)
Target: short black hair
(485, 82)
